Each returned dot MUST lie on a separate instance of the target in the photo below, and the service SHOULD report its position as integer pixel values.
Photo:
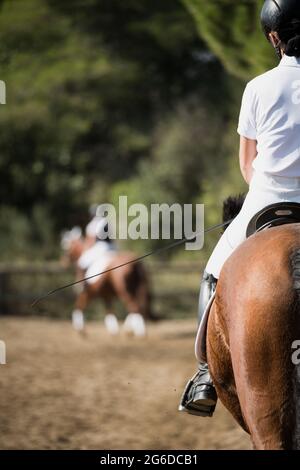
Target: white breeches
(96, 259)
(264, 190)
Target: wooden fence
(175, 289)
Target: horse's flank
(253, 323)
(129, 283)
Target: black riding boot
(200, 397)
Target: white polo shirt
(270, 114)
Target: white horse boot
(128, 324)
(111, 324)
(138, 325)
(78, 320)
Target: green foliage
(179, 169)
(233, 32)
(99, 97)
(104, 98)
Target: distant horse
(252, 326)
(129, 284)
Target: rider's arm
(248, 152)
(248, 132)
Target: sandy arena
(60, 390)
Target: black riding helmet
(283, 16)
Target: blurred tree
(93, 90)
(233, 32)
(189, 152)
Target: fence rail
(55, 267)
(175, 288)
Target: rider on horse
(99, 248)
(269, 128)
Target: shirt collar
(288, 61)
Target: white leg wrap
(128, 325)
(111, 323)
(138, 324)
(78, 320)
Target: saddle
(281, 213)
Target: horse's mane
(232, 206)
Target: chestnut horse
(129, 284)
(253, 323)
